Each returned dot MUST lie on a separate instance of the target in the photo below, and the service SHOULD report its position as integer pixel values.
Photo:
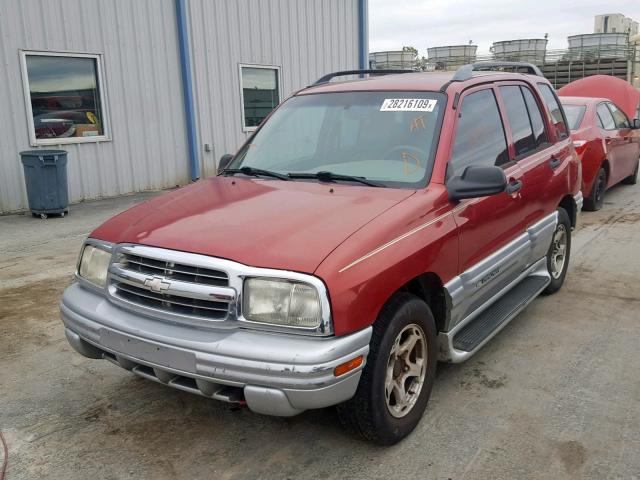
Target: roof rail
(343, 73)
(466, 71)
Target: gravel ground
(555, 395)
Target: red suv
(368, 229)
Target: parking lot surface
(555, 395)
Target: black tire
(367, 412)
(633, 178)
(557, 278)
(595, 200)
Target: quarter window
(556, 111)
(479, 138)
(575, 114)
(606, 119)
(618, 116)
(64, 98)
(260, 94)
(521, 129)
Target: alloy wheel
(558, 251)
(406, 369)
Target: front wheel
(559, 252)
(396, 382)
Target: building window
(260, 93)
(64, 98)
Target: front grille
(172, 303)
(178, 289)
(186, 273)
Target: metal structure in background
(450, 57)
(530, 50)
(565, 66)
(591, 54)
(598, 46)
(393, 60)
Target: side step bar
(472, 335)
(467, 337)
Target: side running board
(465, 339)
(472, 335)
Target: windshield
(387, 137)
(574, 115)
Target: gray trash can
(45, 173)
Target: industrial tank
(530, 50)
(598, 45)
(396, 59)
(451, 56)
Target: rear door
(561, 152)
(614, 144)
(539, 160)
(628, 148)
(489, 258)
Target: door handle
(554, 163)
(513, 186)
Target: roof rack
(466, 71)
(343, 73)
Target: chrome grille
(183, 305)
(186, 273)
(174, 289)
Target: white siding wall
(305, 38)
(142, 82)
(138, 41)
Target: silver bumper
(275, 374)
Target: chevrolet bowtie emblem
(157, 284)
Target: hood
(619, 91)
(263, 223)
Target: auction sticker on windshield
(408, 105)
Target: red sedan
(608, 145)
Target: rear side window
(518, 119)
(555, 110)
(575, 114)
(479, 138)
(606, 119)
(535, 115)
(618, 116)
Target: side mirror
(225, 160)
(477, 181)
(635, 123)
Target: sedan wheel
(595, 200)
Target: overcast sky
(432, 23)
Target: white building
(615, 23)
(148, 94)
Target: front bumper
(275, 374)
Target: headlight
(94, 263)
(281, 302)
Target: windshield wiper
(333, 177)
(255, 172)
